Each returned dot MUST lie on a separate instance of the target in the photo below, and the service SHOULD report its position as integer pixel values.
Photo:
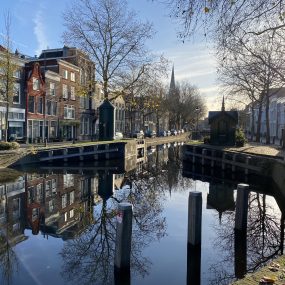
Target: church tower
(172, 83)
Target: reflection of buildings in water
(12, 224)
(57, 204)
(221, 198)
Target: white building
(276, 115)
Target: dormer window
(36, 84)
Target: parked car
(150, 134)
(118, 136)
(162, 134)
(138, 134)
(168, 133)
(173, 132)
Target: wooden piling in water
(123, 238)
(194, 218)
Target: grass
(9, 175)
(254, 278)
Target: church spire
(223, 104)
(172, 82)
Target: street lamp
(197, 110)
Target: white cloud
(39, 31)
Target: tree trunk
(6, 122)
(252, 122)
(267, 120)
(259, 121)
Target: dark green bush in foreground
(9, 145)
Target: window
(35, 214)
(71, 213)
(2, 190)
(31, 104)
(40, 105)
(16, 227)
(50, 206)
(16, 97)
(53, 129)
(72, 93)
(69, 112)
(65, 74)
(84, 126)
(51, 108)
(17, 73)
(53, 183)
(72, 76)
(36, 84)
(64, 91)
(16, 208)
(65, 217)
(64, 200)
(68, 180)
(52, 89)
(71, 198)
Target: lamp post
(197, 110)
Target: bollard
(123, 238)
(241, 206)
(193, 264)
(194, 218)
(240, 253)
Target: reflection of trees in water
(89, 258)
(264, 239)
(8, 260)
(166, 174)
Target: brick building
(35, 103)
(17, 105)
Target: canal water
(58, 224)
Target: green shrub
(9, 145)
(240, 138)
(206, 140)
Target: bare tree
(253, 17)
(182, 105)
(111, 35)
(252, 69)
(7, 70)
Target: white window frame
(72, 76)
(36, 83)
(52, 88)
(65, 74)
(64, 91)
(72, 92)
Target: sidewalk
(261, 149)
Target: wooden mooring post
(240, 230)
(123, 244)
(194, 238)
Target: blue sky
(38, 25)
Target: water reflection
(74, 208)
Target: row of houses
(55, 204)
(56, 97)
(276, 113)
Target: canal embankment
(250, 159)
(125, 149)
